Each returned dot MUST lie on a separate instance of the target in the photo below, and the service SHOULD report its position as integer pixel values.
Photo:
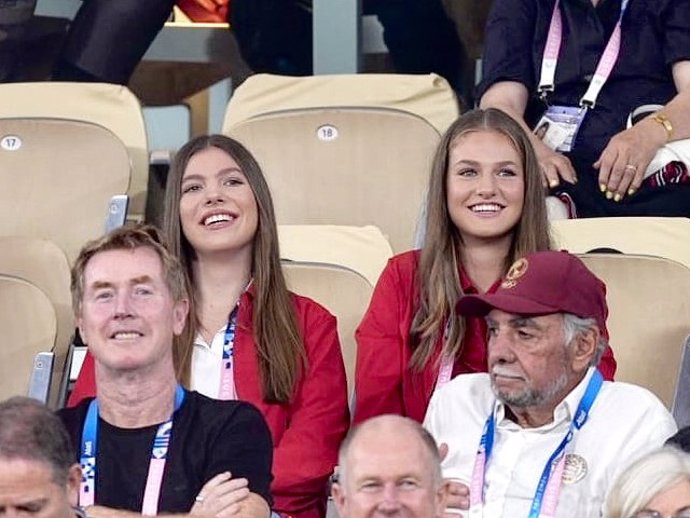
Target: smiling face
(28, 490)
(485, 186)
(127, 314)
(218, 210)
(389, 473)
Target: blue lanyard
(229, 339)
(89, 443)
(581, 416)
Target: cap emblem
(517, 270)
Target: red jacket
(384, 383)
(306, 432)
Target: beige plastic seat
(346, 149)
(57, 179)
(343, 292)
(111, 106)
(44, 265)
(661, 237)
(363, 250)
(29, 326)
(649, 317)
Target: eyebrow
(221, 172)
(142, 279)
(516, 322)
(476, 162)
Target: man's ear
(73, 481)
(338, 494)
(180, 313)
(80, 327)
(583, 348)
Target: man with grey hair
(389, 465)
(38, 475)
(541, 434)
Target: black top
(208, 437)
(655, 34)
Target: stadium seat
(111, 106)
(42, 264)
(346, 149)
(58, 179)
(363, 250)
(29, 326)
(343, 292)
(649, 317)
(661, 237)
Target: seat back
(649, 317)
(333, 155)
(29, 326)
(111, 106)
(44, 265)
(57, 178)
(661, 237)
(361, 249)
(343, 292)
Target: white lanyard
(604, 67)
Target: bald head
(389, 466)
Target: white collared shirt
(625, 422)
(207, 361)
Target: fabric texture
(655, 35)
(208, 437)
(625, 422)
(306, 432)
(384, 381)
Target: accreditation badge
(559, 125)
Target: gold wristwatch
(663, 120)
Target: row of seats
(369, 139)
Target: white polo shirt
(625, 422)
(207, 360)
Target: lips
(486, 208)
(126, 335)
(218, 217)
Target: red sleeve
(319, 417)
(85, 385)
(380, 348)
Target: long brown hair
(279, 345)
(437, 275)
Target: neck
(219, 282)
(135, 399)
(484, 262)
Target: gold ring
(630, 166)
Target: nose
(486, 184)
(214, 194)
(390, 504)
(500, 348)
(123, 306)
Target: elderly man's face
(28, 490)
(529, 364)
(389, 474)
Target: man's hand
(624, 160)
(458, 492)
(221, 496)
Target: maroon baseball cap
(543, 283)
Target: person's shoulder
(474, 387)
(203, 407)
(406, 260)
(307, 306)
(627, 401)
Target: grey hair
(644, 479)
(574, 325)
(427, 440)
(30, 431)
